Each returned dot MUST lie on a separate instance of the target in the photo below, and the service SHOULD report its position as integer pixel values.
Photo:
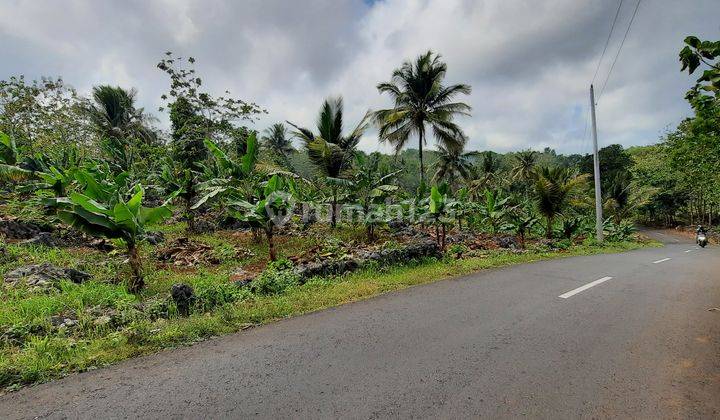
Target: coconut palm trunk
(421, 137)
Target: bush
(618, 232)
(277, 277)
(563, 244)
(457, 250)
(209, 295)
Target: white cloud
(529, 62)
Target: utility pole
(596, 171)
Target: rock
(460, 238)
(60, 321)
(506, 242)
(44, 275)
(101, 244)
(42, 239)
(13, 228)
(155, 238)
(397, 225)
(183, 296)
(203, 226)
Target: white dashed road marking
(663, 260)
(585, 287)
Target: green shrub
(618, 232)
(277, 277)
(210, 295)
(563, 244)
(457, 250)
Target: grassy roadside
(49, 357)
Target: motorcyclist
(700, 229)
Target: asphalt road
(500, 343)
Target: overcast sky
(529, 62)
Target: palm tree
(421, 100)
(117, 121)
(485, 174)
(114, 113)
(525, 162)
(276, 139)
(329, 150)
(452, 164)
(554, 188)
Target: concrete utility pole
(596, 171)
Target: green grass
(41, 357)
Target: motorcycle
(701, 239)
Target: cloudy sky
(529, 62)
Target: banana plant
(521, 222)
(235, 178)
(461, 207)
(270, 211)
(494, 209)
(108, 212)
(437, 207)
(369, 185)
(182, 183)
(9, 161)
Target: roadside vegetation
(119, 239)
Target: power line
(607, 41)
(584, 139)
(619, 49)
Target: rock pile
(44, 276)
(13, 228)
(413, 251)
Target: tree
(613, 160)
(121, 127)
(524, 168)
(196, 115)
(421, 100)
(44, 116)
(276, 139)
(692, 56)
(452, 165)
(104, 210)
(554, 188)
(486, 174)
(331, 151)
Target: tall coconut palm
(421, 101)
(277, 139)
(329, 149)
(452, 165)
(554, 188)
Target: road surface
(623, 335)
